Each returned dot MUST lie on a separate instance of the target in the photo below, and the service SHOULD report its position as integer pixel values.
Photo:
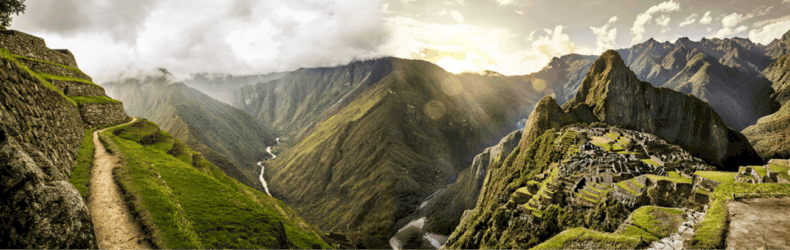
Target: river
(260, 164)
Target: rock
(40, 135)
(770, 135)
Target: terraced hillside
(184, 201)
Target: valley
(398, 139)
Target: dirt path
(759, 223)
(114, 225)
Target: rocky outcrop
(27, 45)
(100, 114)
(614, 95)
(40, 134)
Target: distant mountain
(228, 137)
(222, 86)
(722, 72)
(779, 47)
(409, 130)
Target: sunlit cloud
(689, 20)
(638, 29)
(706, 19)
(605, 37)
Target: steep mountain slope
(778, 47)
(615, 96)
(184, 201)
(228, 137)
(769, 136)
(563, 74)
(371, 163)
(294, 103)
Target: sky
(112, 39)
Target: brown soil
(114, 225)
(759, 223)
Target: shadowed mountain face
(403, 137)
(226, 136)
(770, 135)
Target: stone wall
(70, 88)
(53, 69)
(24, 44)
(100, 114)
(40, 135)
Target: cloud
(605, 36)
(729, 23)
(519, 12)
(237, 36)
(505, 2)
(663, 21)
(769, 32)
(706, 19)
(638, 29)
(689, 20)
(531, 35)
(457, 16)
(762, 10)
(455, 2)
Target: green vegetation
(636, 233)
(579, 237)
(64, 78)
(80, 174)
(625, 186)
(781, 170)
(186, 202)
(669, 178)
(711, 232)
(674, 174)
(659, 221)
(761, 172)
(10, 56)
(651, 162)
(48, 62)
(9, 7)
(93, 99)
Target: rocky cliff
(40, 134)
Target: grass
(64, 78)
(10, 56)
(760, 171)
(568, 238)
(192, 203)
(782, 170)
(669, 178)
(659, 221)
(56, 64)
(80, 174)
(711, 232)
(93, 99)
(674, 174)
(625, 186)
(635, 232)
(651, 162)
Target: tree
(8, 7)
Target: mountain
(222, 86)
(573, 165)
(228, 137)
(769, 136)
(370, 163)
(779, 47)
(722, 72)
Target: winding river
(260, 164)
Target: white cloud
(706, 19)
(709, 29)
(453, 2)
(531, 35)
(457, 16)
(505, 2)
(442, 13)
(519, 12)
(729, 23)
(663, 21)
(689, 20)
(235, 37)
(638, 29)
(768, 33)
(762, 10)
(605, 36)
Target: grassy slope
(712, 232)
(601, 240)
(80, 174)
(93, 99)
(192, 204)
(8, 55)
(228, 137)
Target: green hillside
(228, 137)
(184, 201)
